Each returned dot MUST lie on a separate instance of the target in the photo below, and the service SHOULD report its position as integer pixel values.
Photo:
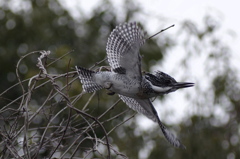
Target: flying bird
(126, 78)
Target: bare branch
(35, 124)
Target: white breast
(160, 89)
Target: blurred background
(201, 48)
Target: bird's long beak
(179, 85)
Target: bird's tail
(87, 79)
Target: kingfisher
(126, 78)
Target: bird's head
(164, 81)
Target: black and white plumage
(126, 78)
(122, 49)
(161, 83)
(86, 77)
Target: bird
(134, 87)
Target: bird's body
(126, 79)
(119, 83)
(114, 82)
(149, 86)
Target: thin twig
(160, 32)
(48, 111)
(59, 58)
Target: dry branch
(30, 123)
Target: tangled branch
(57, 124)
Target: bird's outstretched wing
(139, 106)
(123, 47)
(145, 107)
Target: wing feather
(123, 47)
(135, 105)
(145, 107)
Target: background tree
(44, 114)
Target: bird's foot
(107, 85)
(108, 68)
(110, 93)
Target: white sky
(174, 12)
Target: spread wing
(145, 107)
(123, 47)
(139, 106)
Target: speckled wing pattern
(123, 47)
(145, 107)
(135, 105)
